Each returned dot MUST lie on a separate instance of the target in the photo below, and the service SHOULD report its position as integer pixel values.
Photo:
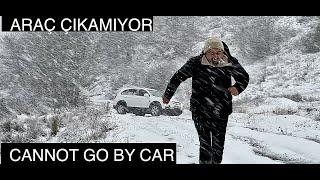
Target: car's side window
(137, 92)
(125, 92)
(129, 92)
(142, 92)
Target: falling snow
(71, 80)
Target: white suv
(144, 100)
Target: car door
(129, 97)
(140, 100)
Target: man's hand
(233, 91)
(165, 100)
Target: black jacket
(210, 84)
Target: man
(211, 99)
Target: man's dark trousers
(211, 131)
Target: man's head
(213, 43)
(213, 49)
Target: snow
(161, 129)
(100, 100)
(238, 152)
(22, 117)
(257, 143)
(59, 74)
(287, 148)
(280, 122)
(275, 104)
(292, 125)
(4, 93)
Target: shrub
(55, 125)
(281, 111)
(294, 97)
(6, 126)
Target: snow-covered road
(244, 145)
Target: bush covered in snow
(85, 124)
(28, 129)
(279, 106)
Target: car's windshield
(155, 93)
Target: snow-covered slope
(260, 140)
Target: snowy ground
(276, 131)
(250, 140)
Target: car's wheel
(121, 109)
(155, 110)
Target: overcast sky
(0, 23)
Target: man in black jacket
(211, 99)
